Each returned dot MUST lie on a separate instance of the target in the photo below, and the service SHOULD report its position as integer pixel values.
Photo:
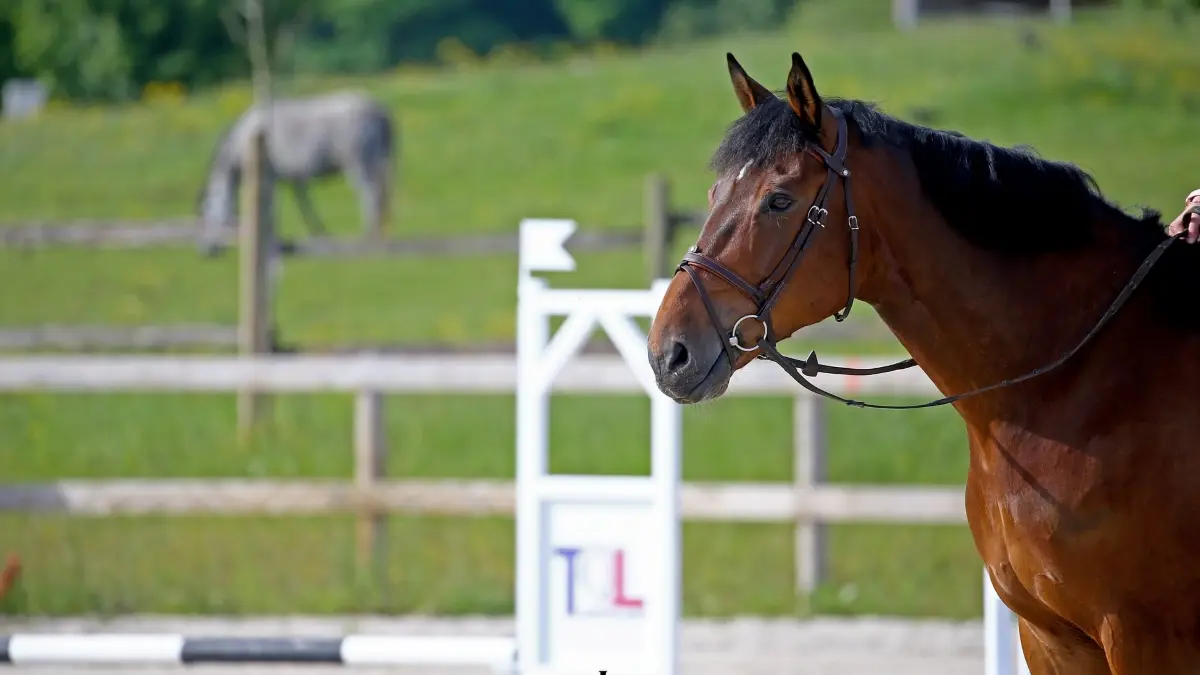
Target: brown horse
(1063, 331)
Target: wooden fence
(808, 501)
(660, 222)
(257, 234)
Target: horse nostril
(679, 356)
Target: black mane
(1006, 200)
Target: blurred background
(603, 111)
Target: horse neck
(221, 187)
(973, 317)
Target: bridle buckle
(820, 211)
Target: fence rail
(151, 338)
(147, 338)
(132, 234)
(419, 373)
(718, 502)
(808, 501)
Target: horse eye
(779, 203)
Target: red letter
(619, 582)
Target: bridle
(766, 295)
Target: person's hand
(1189, 220)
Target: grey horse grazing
(307, 138)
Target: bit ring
(734, 341)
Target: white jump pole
(1001, 648)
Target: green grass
(452, 565)
(485, 146)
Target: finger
(1193, 230)
(1174, 228)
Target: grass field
(216, 564)
(484, 146)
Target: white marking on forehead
(742, 173)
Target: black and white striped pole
(25, 649)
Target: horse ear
(749, 92)
(802, 94)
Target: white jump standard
(598, 559)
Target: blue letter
(569, 554)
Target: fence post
(1060, 10)
(370, 465)
(256, 234)
(808, 430)
(905, 14)
(657, 232)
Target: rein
(766, 294)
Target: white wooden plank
(472, 374)
(742, 502)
